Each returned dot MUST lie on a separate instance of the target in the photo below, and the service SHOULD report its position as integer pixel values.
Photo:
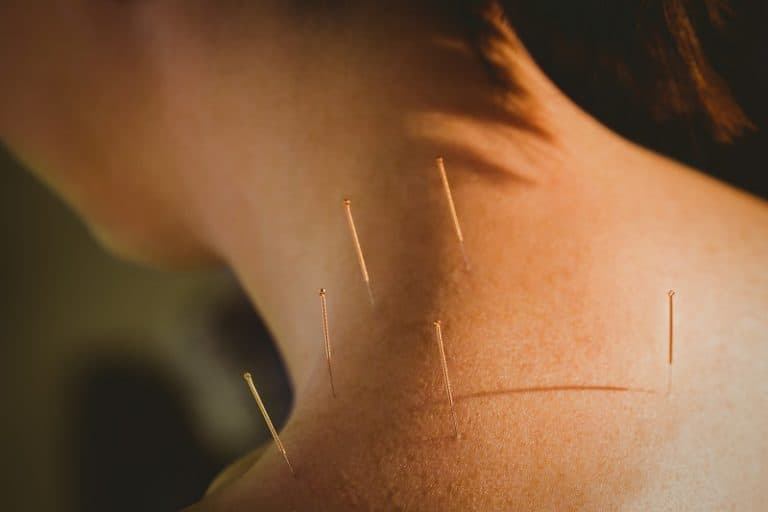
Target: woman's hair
(628, 62)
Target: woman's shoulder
(565, 396)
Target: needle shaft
(327, 338)
(270, 425)
(452, 206)
(446, 379)
(358, 248)
(671, 338)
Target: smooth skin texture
(188, 132)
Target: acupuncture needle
(446, 379)
(249, 379)
(358, 248)
(327, 338)
(452, 206)
(671, 295)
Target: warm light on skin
(195, 132)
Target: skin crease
(187, 132)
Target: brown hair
(621, 58)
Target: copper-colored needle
(671, 294)
(452, 206)
(327, 338)
(444, 363)
(360, 258)
(270, 425)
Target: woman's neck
(368, 128)
(542, 213)
(287, 244)
(533, 311)
(562, 293)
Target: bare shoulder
(564, 394)
(712, 447)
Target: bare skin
(237, 140)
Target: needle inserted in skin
(444, 363)
(360, 258)
(452, 206)
(272, 430)
(671, 294)
(327, 338)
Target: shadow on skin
(554, 389)
(546, 389)
(526, 390)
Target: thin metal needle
(327, 338)
(443, 361)
(360, 258)
(270, 425)
(671, 295)
(452, 206)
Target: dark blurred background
(121, 386)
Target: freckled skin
(188, 131)
(386, 442)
